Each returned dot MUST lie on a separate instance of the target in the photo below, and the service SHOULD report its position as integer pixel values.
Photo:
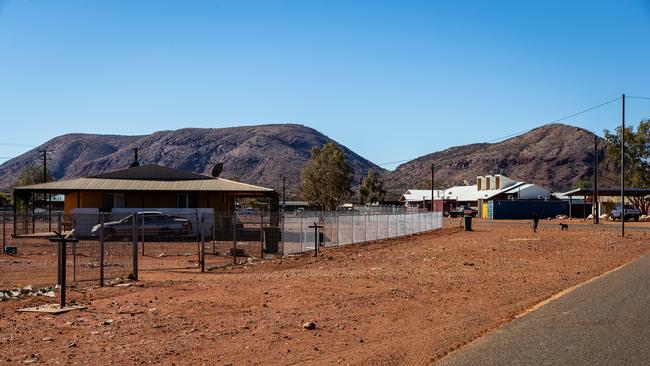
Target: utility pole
(595, 185)
(284, 192)
(46, 196)
(44, 151)
(623, 168)
(432, 185)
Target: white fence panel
(347, 228)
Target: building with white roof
(483, 195)
(420, 198)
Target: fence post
(74, 262)
(62, 269)
(337, 229)
(282, 233)
(353, 220)
(202, 244)
(234, 237)
(34, 215)
(377, 227)
(135, 246)
(214, 233)
(143, 233)
(101, 249)
(4, 232)
(301, 234)
(58, 225)
(365, 228)
(262, 239)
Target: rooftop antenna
(135, 162)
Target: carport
(584, 193)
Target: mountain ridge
(557, 156)
(258, 154)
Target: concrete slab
(51, 309)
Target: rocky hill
(556, 156)
(253, 154)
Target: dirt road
(404, 301)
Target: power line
(395, 162)
(13, 144)
(629, 96)
(526, 131)
(560, 119)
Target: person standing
(535, 221)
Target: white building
(419, 198)
(491, 187)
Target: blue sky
(390, 80)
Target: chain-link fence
(342, 228)
(113, 245)
(33, 259)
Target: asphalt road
(603, 322)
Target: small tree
(326, 180)
(372, 189)
(637, 158)
(5, 200)
(33, 174)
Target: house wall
(81, 200)
(219, 201)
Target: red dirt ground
(403, 301)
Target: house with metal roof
(149, 186)
(145, 187)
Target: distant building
(147, 187)
(419, 199)
(494, 196)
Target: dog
(564, 227)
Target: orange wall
(69, 202)
(82, 199)
(220, 202)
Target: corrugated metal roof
(463, 193)
(100, 184)
(152, 172)
(419, 195)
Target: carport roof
(608, 192)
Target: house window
(114, 200)
(187, 200)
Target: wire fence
(106, 246)
(343, 228)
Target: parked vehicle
(462, 211)
(156, 224)
(248, 211)
(629, 212)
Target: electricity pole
(432, 185)
(46, 196)
(44, 151)
(595, 185)
(284, 192)
(623, 168)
